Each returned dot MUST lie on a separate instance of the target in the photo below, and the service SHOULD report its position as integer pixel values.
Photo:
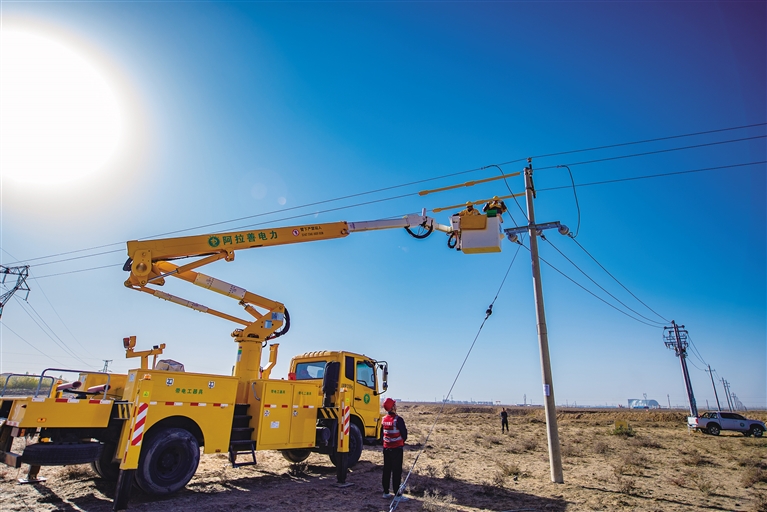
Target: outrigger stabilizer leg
(122, 492)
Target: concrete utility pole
(726, 386)
(711, 374)
(669, 400)
(535, 230)
(676, 338)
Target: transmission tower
(676, 338)
(21, 274)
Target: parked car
(714, 422)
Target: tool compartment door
(303, 423)
(276, 411)
(60, 413)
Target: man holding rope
(394, 437)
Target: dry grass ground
(467, 465)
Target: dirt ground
(466, 465)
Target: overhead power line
(80, 257)
(600, 286)
(645, 141)
(39, 286)
(576, 283)
(76, 271)
(616, 280)
(52, 334)
(449, 175)
(662, 175)
(28, 343)
(657, 152)
(548, 189)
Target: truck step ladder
(243, 447)
(240, 442)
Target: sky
(138, 120)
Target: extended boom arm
(149, 265)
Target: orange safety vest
(391, 434)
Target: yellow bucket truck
(148, 426)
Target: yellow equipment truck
(148, 426)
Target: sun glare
(60, 117)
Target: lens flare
(60, 117)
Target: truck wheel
(713, 429)
(296, 456)
(104, 466)
(355, 448)
(756, 431)
(169, 459)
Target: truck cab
(359, 374)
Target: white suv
(714, 422)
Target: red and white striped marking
(74, 401)
(346, 420)
(191, 404)
(138, 431)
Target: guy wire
(395, 501)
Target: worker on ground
(469, 210)
(504, 420)
(394, 437)
(495, 207)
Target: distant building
(637, 403)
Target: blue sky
(236, 110)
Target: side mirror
(385, 382)
(330, 382)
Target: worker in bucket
(495, 207)
(394, 437)
(469, 210)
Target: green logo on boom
(214, 241)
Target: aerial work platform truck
(148, 426)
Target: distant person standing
(504, 420)
(394, 437)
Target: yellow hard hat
(495, 198)
(468, 203)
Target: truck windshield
(310, 370)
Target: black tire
(169, 459)
(713, 429)
(296, 456)
(355, 448)
(104, 466)
(756, 431)
(49, 454)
